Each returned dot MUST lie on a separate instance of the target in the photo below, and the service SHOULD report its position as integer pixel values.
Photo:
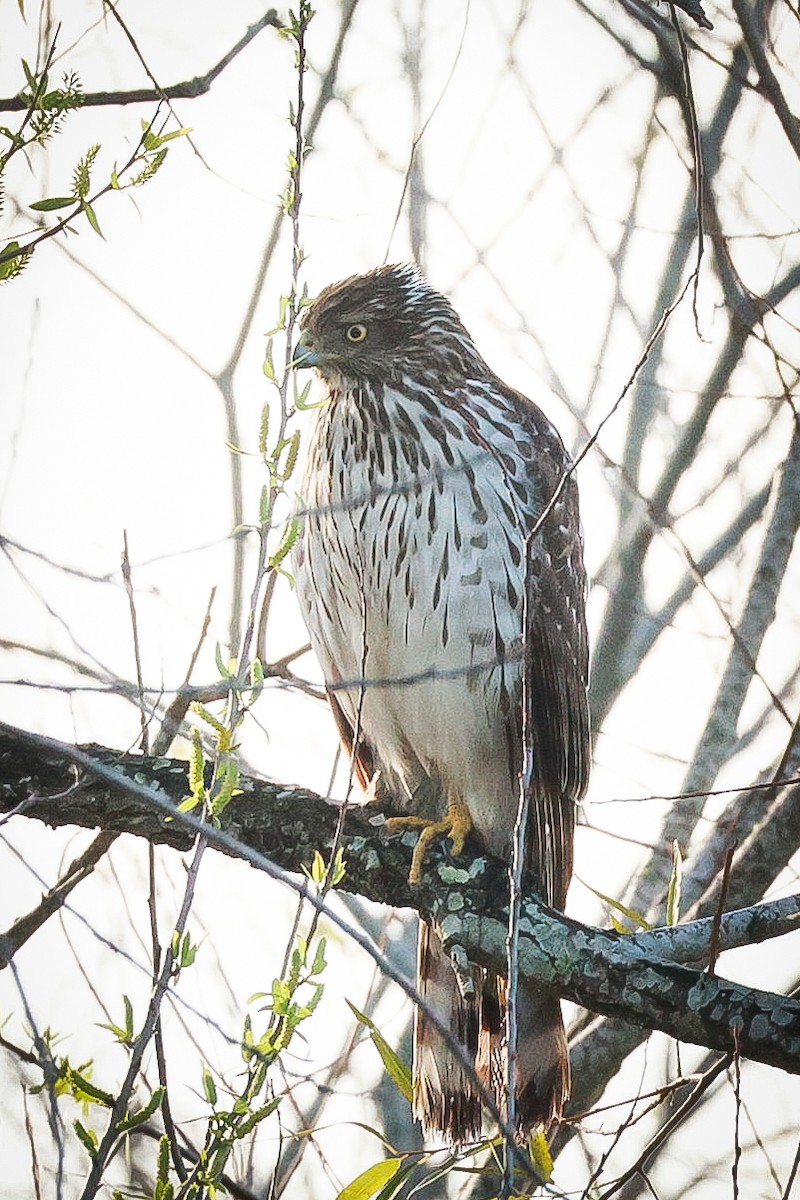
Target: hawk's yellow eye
(356, 333)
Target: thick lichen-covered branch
(637, 978)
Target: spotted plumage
(424, 476)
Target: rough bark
(637, 978)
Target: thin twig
(37, 1188)
(713, 948)
(159, 91)
(697, 155)
(26, 926)
(189, 90)
(768, 85)
(787, 1191)
(13, 251)
(158, 1033)
(30, 106)
(421, 133)
(109, 1140)
(126, 576)
(173, 717)
(737, 1093)
(527, 781)
(669, 1127)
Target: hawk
(425, 482)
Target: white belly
(413, 599)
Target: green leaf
(365, 1185)
(54, 99)
(227, 789)
(297, 961)
(187, 953)
(81, 176)
(16, 261)
(541, 1157)
(217, 1165)
(163, 1160)
(82, 1089)
(319, 869)
(53, 203)
(153, 164)
(128, 1015)
(395, 1184)
(184, 131)
(281, 996)
(339, 867)
(675, 886)
(149, 139)
(290, 535)
(221, 730)
(617, 906)
(269, 366)
(222, 666)
(197, 767)
(143, 1114)
(92, 218)
(152, 141)
(397, 1070)
(318, 965)
(87, 1137)
(123, 1033)
(301, 403)
(263, 431)
(290, 461)
(264, 505)
(31, 78)
(322, 874)
(247, 1033)
(209, 1087)
(248, 1125)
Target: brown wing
(363, 755)
(556, 665)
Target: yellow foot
(457, 824)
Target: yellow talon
(457, 824)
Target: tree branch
(757, 39)
(190, 89)
(638, 979)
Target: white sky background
(110, 420)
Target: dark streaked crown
(384, 325)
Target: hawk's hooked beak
(304, 354)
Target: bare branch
(599, 969)
(768, 85)
(188, 90)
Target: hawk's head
(383, 326)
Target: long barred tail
(543, 1075)
(445, 1095)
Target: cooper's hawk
(424, 476)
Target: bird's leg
(457, 824)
